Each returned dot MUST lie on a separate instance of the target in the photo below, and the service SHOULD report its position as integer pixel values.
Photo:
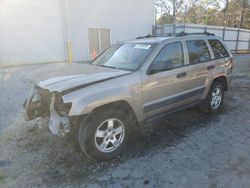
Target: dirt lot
(187, 149)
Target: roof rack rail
(181, 34)
(185, 34)
(161, 35)
(165, 35)
(142, 37)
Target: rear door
(199, 58)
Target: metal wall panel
(231, 45)
(37, 31)
(31, 32)
(236, 39)
(243, 45)
(217, 32)
(244, 35)
(104, 37)
(126, 20)
(231, 35)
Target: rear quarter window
(198, 51)
(218, 49)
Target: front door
(173, 86)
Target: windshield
(124, 56)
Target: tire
(211, 105)
(98, 136)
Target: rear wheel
(104, 134)
(213, 104)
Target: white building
(37, 31)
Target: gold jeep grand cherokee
(130, 84)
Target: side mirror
(159, 66)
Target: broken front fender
(35, 105)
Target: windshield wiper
(116, 68)
(108, 66)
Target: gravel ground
(187, 149)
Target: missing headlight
(60, 107)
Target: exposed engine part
(58, 124)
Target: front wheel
(213, 104)
(104, 134)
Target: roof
(159, 39)
(150, 40)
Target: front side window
(124, 56)
(198, 51)
(218, 49)
(171, 54)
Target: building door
(99, 40)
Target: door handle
(210, 67)
(181, 75)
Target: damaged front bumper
(58, 124)
(42, 104)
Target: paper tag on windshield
(142, 46)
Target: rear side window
(198, 51)
(172, 53)
(218, 49)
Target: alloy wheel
(109, 135)
(216, 98)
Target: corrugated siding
(31, 32)
(230, 34)
(126, 19)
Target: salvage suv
(130, 84)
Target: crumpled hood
(62, 77)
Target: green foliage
(232, 13)
(165, 18)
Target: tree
(237, 13)
(231, 13)
(170, 8)
(244, 5)
(224, 11)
